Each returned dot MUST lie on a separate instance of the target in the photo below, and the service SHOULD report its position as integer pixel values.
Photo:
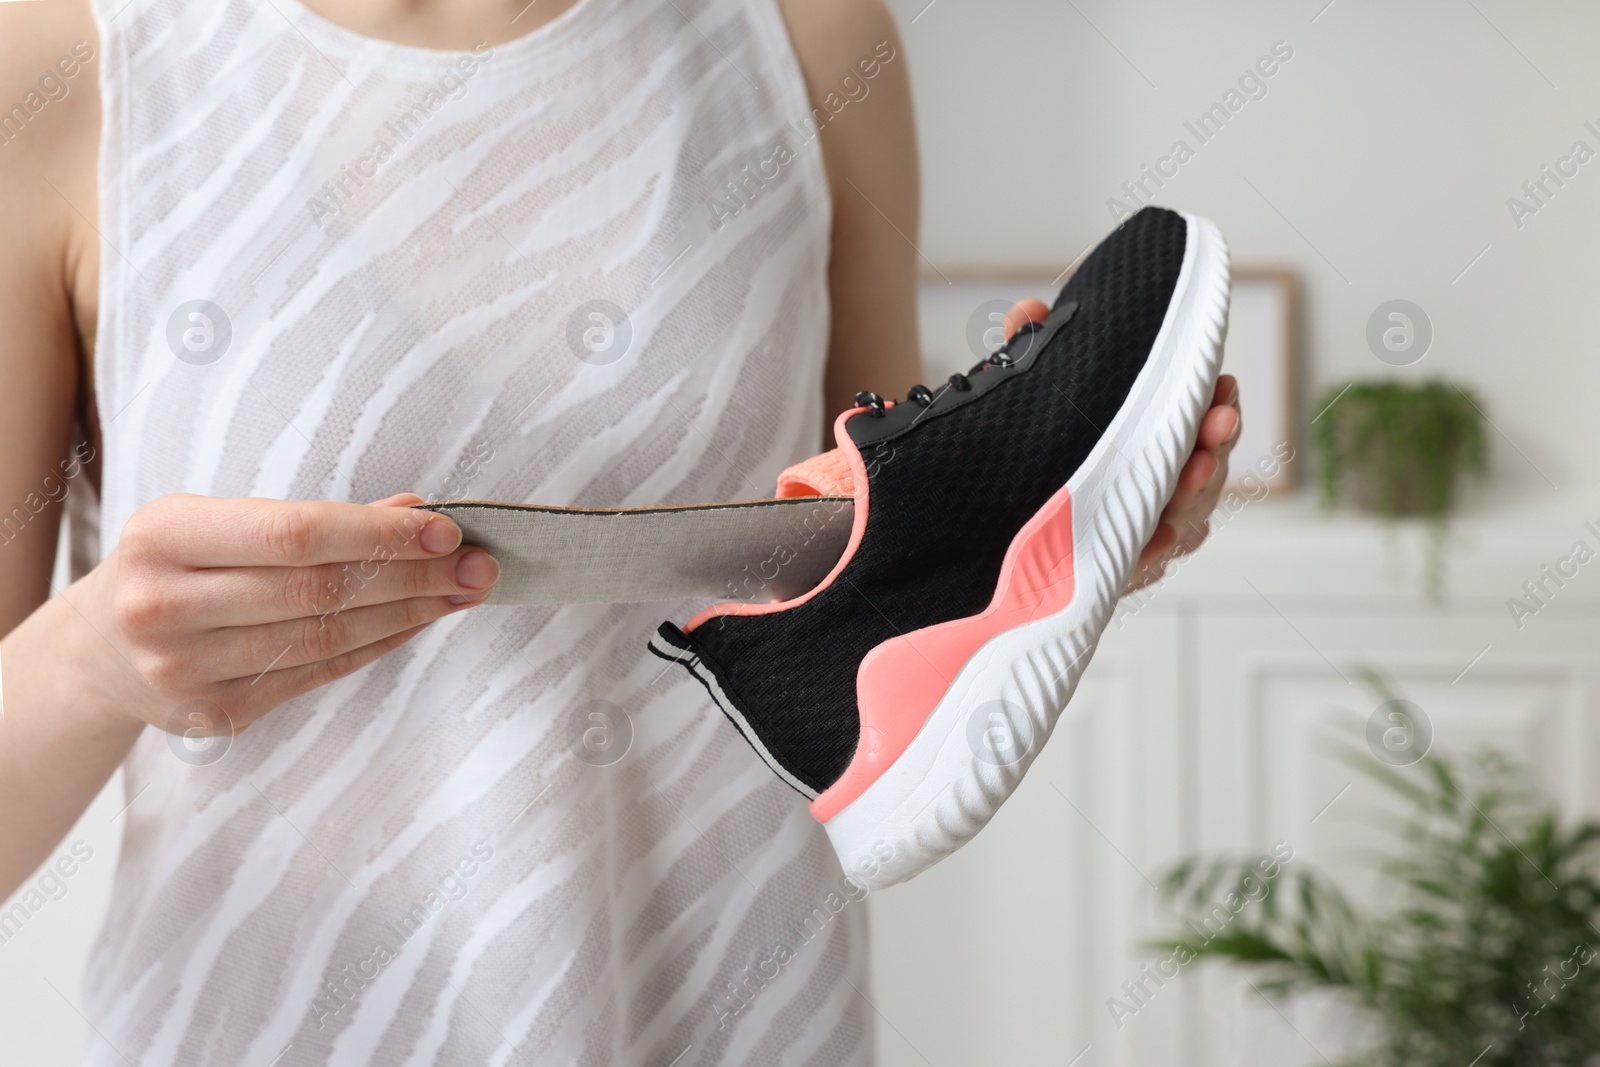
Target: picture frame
(960, 312)
(1261, 352)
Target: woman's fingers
(1198, 472)
(1200, 482)
(1199, 487)
(203, 596)
(1220, 426)
(242, 697)
(399, 500)
(1160, 541)
(1024, 312)
(1185, 521)
(193, 531)
(246, 651)
(247, 596)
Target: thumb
(399, 500)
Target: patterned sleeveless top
(586, 267)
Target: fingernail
(477, 570)
(440, 535)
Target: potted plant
(1401, 450)
(1491, 954)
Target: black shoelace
(924, 397)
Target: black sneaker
(997, 520)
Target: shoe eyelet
(868, 399)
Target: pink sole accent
(901, 681)
(858, 471)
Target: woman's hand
(213, 612)
(1186, 520)
(207, 615)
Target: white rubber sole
(996, 716)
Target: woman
(588, 252)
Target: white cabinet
(1204, 723)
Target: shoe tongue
(824, 475)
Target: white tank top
(587, 267)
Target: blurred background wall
(1377, 166)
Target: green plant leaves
(1406, 446)
(1401, 450)
(1491, 950)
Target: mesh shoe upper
(947, 496)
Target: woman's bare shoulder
(49, 134)
(49, 138)
(834, 37)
